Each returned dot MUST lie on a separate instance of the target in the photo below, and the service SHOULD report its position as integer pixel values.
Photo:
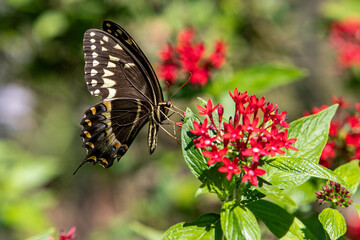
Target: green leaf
(214, 180)
(192, 155)
(305, 167)
(203, 189)
(341, 9)
(350, 173)
(202, 101)
(283, 180)
(238, 222)
(44, 236)
(277, 195)
(146, 232)
(50, 24)
(281, 223)
(311, 133)
(333, 222)
(357, 206)
(259, 78)
(206, 227)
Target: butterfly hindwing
(152, 135)
(110, 127)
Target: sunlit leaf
(277, 195)
(311, 132)
(259, 78)
(238, 222)
(350, 173)
(305, 167)
(357, 206)
(206, 227)
(333, 222)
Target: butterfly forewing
(110, 71)
(125, 38)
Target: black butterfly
(117, 70)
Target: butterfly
(118, 71)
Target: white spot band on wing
(107, 73)
(108, 83)
(112, 93)
(129, 65)
(114, 59)
(93, 72)
(111, 65)
(117, 46)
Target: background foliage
(43, 96)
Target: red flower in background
(345, 37)
(344, 135)
(217, 58)
(353, 225)
(189, 56)
(168, 72)
(66, 236)
(239, 145)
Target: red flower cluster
(240, 145)
(187, 56)
(345, 37)
(344, 135)
(66, 236)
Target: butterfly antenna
(181, 86)
(168, 87)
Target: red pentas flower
(208, 110)
(215, 155)
(344, 36)
(188, 56)
(230, 167)
(252, 173)
(344, 135)
(66, 236)
(240, 145)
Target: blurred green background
(43, 96)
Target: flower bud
(220, 112)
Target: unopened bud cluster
(335, 194)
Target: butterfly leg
(178, 141)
